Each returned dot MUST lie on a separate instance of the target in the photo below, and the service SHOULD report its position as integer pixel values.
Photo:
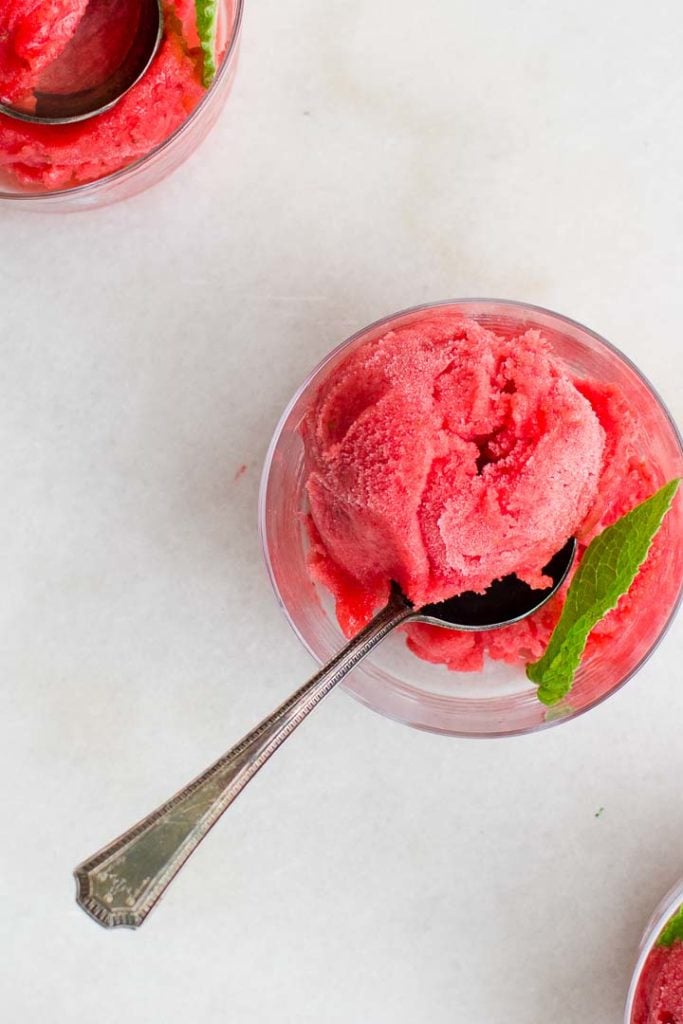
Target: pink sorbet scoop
(444, 457)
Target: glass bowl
(670, 905)
(393, 681)
(160, 161)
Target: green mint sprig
(607, 570)
(207, 23)
(673, 931)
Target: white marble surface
(373, 155)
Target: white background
(374, 154)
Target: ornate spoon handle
(120, 884)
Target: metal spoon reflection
(90, 77)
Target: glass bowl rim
(548, 722)
(91, 187)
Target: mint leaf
(207, 22)
(605, 574)
(673, 930)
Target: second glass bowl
(667, 908)
(155, 165)
(393, 681)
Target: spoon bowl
(506, 601)
(113, 47)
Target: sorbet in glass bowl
(120, 152)
(444, 447)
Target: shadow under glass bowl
(155, 165)
(500, 700)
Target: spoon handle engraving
(121, 884)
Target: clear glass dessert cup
(669, 905)
(500, 700)
(160, 161)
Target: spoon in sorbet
(109, 52)
(121, 883)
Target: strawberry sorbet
(33, 34)
(445, 456)
(659, 999)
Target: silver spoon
(73, 90)
(121, 883)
